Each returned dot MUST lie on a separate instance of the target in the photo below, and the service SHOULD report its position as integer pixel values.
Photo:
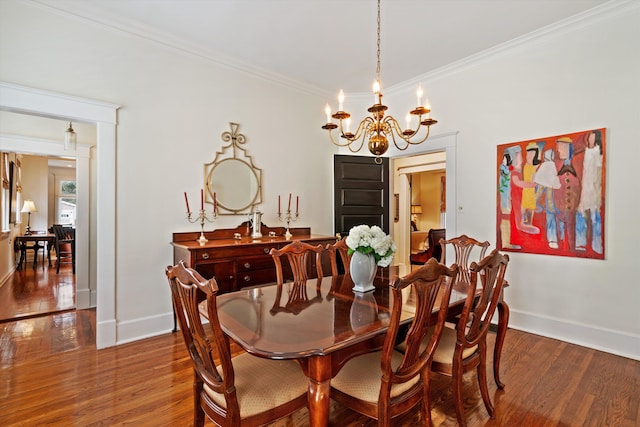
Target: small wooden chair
(465, 347)
(463, 247)
(65, 246)
(297, 253)
(244, 390)
(340, 249)
(387, 383)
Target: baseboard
(83, 299)
(145, 327)
(105, 334)
(602, 339)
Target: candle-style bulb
(340, 100)
(427, 105)
(347, 123)
(419, 94)
(327, 111)
(376, 87)
(408, 119)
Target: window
(66, 202)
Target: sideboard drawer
(255, 263)
(256, 277)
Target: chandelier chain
(378, 52)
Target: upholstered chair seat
(259, 384)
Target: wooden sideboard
(242, 262)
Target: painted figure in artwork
(504, 188)
(548, 181)
(529, 193)
(566, 197)
(588, 219)
(517, 186)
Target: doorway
(438, 153)
(99, 257)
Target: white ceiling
(325, 45)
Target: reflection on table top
(315, 318)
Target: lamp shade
(416, 209)
(29, 206)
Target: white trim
(144, 327)
(603, 339)
(64, 107)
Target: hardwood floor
(33, 292)
(51, 374)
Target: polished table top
(294, 321)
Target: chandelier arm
(360, 134)
(355, 150)
(338, 143)
(397, 130)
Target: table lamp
(415, 210)
(28, 207)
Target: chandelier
(377, 127)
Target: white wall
(577, 78)
(175, 106)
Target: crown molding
(112, 22)
(587, 18)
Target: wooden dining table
(322, 324)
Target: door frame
(30, 101)
(422, 158)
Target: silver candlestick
(202, 217)
(288, 217)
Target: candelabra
(288, 217)
(202, 217)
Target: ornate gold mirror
(232, 181)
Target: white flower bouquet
(372, 240)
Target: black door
(361, 191)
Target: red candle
(289, 206)
(201, 199)
(186, 201)
(278, 204)
(297, 201)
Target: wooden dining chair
(232, 391)
(341, 250)
(464, 247)
(65, 245)
(465, 347)
(384, 384)
(297, 253)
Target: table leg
(23, 256)
(503, 322)
(36, 249)
(49, 253)
(319, 387)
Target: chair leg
(426, 399)
(198, 412)
(457, 392)
(503, 321)
(482, 380)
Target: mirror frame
(232, 151)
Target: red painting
(551, 193)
